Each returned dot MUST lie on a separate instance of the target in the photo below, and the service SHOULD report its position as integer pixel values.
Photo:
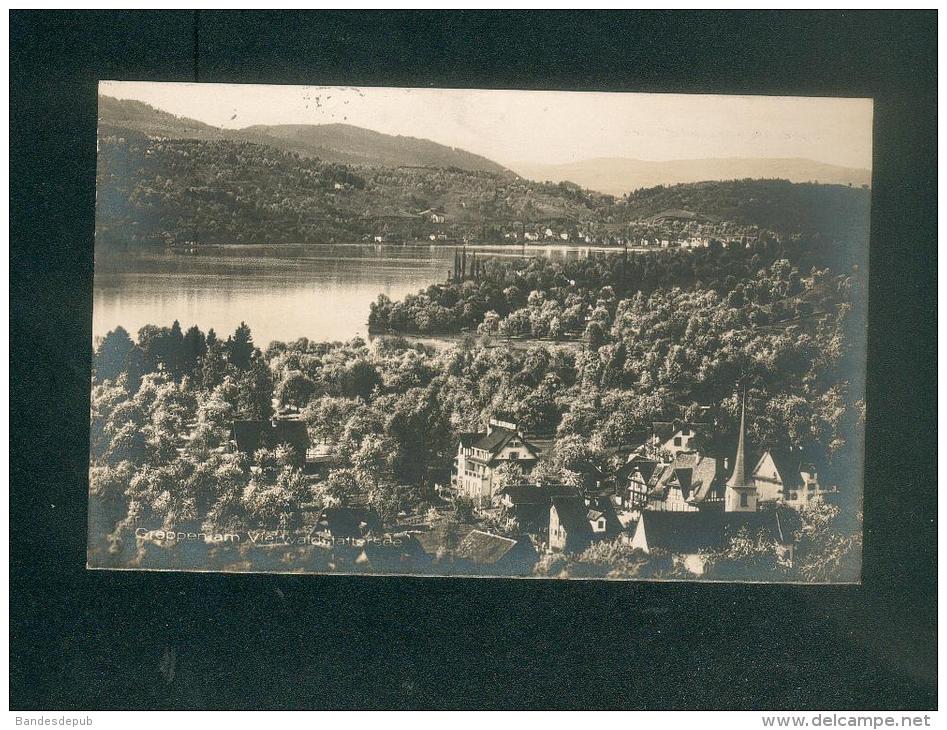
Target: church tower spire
(741, 493)
(738, 478)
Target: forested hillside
(224, 191)
(619, 175)
(834, 211)
(342, 143)
(163, 178)
(121, 116)
(351, 145)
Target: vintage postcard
(479, 333)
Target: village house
(247, 437)
(691, 482)
(673, 437)
(528, 504)
(480, 454)
(633, 478)
(690, 534)
(602, 517)
(569, 528)
(689, 537)
(575, 522)
(786, 476)
(342, 524)
(464, 549)
(433, 215)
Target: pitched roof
(640, 463)
(346, 521)
(403, 556)
(691, 532)
(537, 493)
(604, 507)
(695, 474)
(253, 435)
(790, 465)
(443, 537)
(469, 438)
(540, 442)
(738, 478)
(493, 441)
(572, 514)
(462, 542)
(484, 548)
(705, 476)
(663, 430)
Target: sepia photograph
(473, 361)
(493, 333)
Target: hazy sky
(543, 126)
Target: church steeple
(738, 478)
(741, 493)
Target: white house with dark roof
(528, 504)
(576, 522)
(673, 437)
(786, 476)
(569, 527)
(480, 454)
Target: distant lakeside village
(672, 228)
(692, 411)
(667, 229)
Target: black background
(96, 640)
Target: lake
(283, 292)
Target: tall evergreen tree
(195, 347)
(113, 354)
(240, 347)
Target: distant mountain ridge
(620, 175)
(350, 145)
(137, 116)
(340, 143)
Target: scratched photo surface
(444, 332)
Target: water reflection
(283, 292)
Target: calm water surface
(322, 292)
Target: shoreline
(517, 247)
(443, 342)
